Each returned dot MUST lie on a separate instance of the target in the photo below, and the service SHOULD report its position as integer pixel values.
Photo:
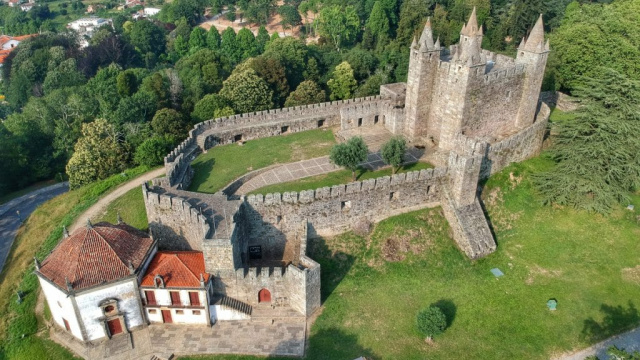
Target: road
(25, 205)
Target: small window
(320, 123)
(375, 119)
(195, 312)
(393, 195)
(194, 298)
(345, 205)
(175, 298)
(179, 312)
(360, 122)
(428, 189)
(284, 129)
(109, 309)
(152, 311)
(237, 138)
(278, 219)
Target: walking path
(100, 207)
(312, 167)
(629, 341)
(13, 213)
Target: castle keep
(472, 111)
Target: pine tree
(597, 152)
(378, 23)
(213, 38)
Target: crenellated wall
(333, 210)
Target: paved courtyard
(226, 337)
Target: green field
(589, 263)
(223, 164)
(335, 178)
(131, 209)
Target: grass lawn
(223, 164)
(38, 236)
(589, 263)
(335, 178)
(131, 208)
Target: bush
(431, 321)
(153, 150)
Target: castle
(472, 111)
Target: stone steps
(235, 304)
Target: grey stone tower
(423, 67)
(532, 53)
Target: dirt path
(99, 208)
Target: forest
(135, 91)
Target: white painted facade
(88, 24)
(61, 307)
(128, 304)
(219, 312)
(180, 314)
(150, 11)
(10, 44)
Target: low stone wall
(333, 210)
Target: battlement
(381, 183)
(261, 272)
(498, 75)
(468, 146)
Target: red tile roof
(5, 39)
(95, 255)
(177, 268)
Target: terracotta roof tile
(95, 255)
(177, 268)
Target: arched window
(158, 281)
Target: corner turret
(470, 41)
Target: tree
(597, 152)
(213, 38)
(273, 73)
(259, 11)
(431, 321)
(246, 43)
(197, 39)
(98, 154)
(292, 54)
(180, 46)
(247, 92)
(290, 16)
(153, 150)
(393, 152)
(339, 24)
(229, 45)
(378, 22)
(126, 83)
(231, 13)
(616, 353)
(350, 154)
(147, 37)
(209, 107)
(342, 83)
(168, 122)
(262, 39)
(308, 92)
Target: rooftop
(178, 269)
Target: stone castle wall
(333, 210)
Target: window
(109, 309)
(375, 119)
(345, 205)
(179, 312)
(175, 298)
(151, 297)
(152, 311)
(428, 189)
(278, 219)
(320, 123)
(360, 122)
(393, 195)
(284, 129)
(66, 324)
(195, 312)
(237, 138)
(194, 298)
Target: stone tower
(532, 53)
(423, 67)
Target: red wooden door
(66, 324)
(115, 326)
(264, 296)
(166, 317)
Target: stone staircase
(268, 314)
(235, 305)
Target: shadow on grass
(333, 343)
(616, 319)
(448, 308)
(201, 171)
(333, 265)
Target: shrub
(431, 321)
(153, 150)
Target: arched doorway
(264, 296)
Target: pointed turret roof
(535, 41)
(426, 39)
(95, 255)
(414, 43)
(471, 28)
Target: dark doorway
(264, 296)
(115, 327)
(360, 122)
(237, 138)
(166, 317)
(284, 129)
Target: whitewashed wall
(61, 307)
(219, 312)
(163, 301)
(90, 311)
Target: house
(150, 11)
(88, 24)
(8, 43)
(90, 280)
(177, 289)
(27, 6)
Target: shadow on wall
(333, 265)
(615, 320)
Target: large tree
(147, 37)
(247, 91)
(308, 92)
(339, 24)
(350, 154)
(342, 84)
(597, 152)
(98, 154)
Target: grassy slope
(40, 233)
(585, 261)
(131, 208)
(334, 178)
(223, 164)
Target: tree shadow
(448, 308)
(333, 343)
(333, 265)
(616, 319)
